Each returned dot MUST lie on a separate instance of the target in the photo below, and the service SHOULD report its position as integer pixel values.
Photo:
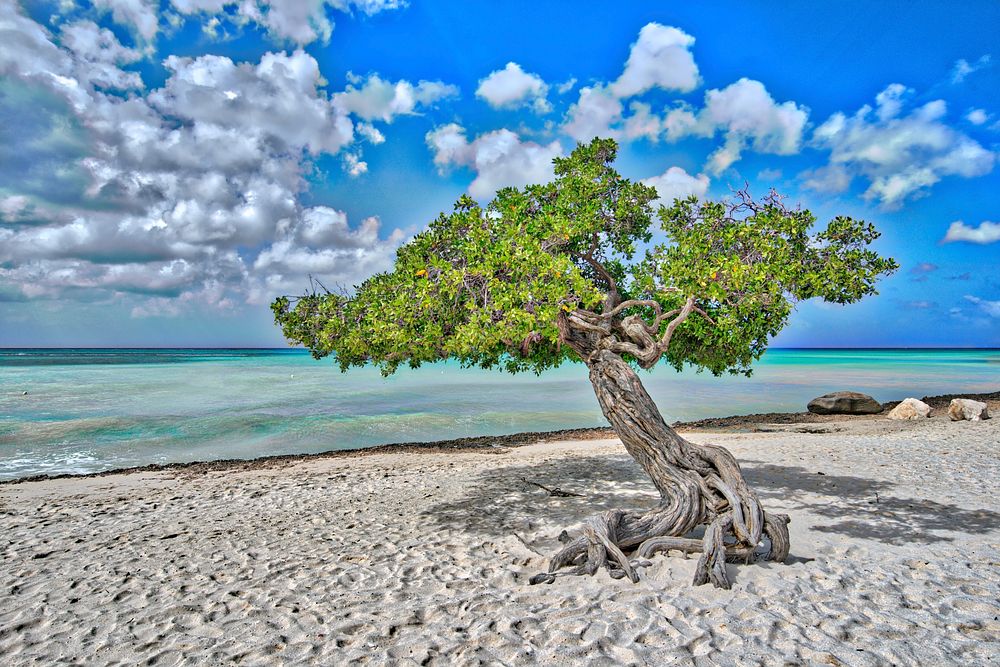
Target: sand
(410, 557)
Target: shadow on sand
(502, 502)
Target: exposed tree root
(608, 542)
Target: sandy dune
(423, 558)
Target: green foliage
(746, 264)
(488, 285)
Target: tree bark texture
(698, 485)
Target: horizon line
(302, 349)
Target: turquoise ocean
(92, 410)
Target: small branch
(613, 295)
(554, 491)
(705, 315)
(676, 322)
(585, 325)
(633, 303)
(526, 545)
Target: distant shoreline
(497, 442)
(304, 351)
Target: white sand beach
(424, 558)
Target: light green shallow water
(97, 410)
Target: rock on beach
(966, 408)
(910, 408)
(845, 403)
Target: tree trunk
(698, 484)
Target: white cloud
(566, 86)
(642, 122)
(659, 58)
(977, 116)
(964, 68)
(991, 308)
(26, 49)
(378, 99)
(99, 54)
(747, 114)
(986, 232)
(680, 122)
(141, 15)
(889, 102)
(278, 97)
(744, 112)
(593, 115)
(371, 133)
(675, 183)
(183, 197)
(321, 244)
(512, 87)
(354, 165)
(498, 158)
(831, 179)
(298, 21)
(901, 156)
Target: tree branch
(632, 303)
(688, 308)
(613, 296)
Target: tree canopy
(495, 285)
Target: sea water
(92, 410)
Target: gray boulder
(966, 408)
(845, 403)
(910, 408)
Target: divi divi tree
(570, 270)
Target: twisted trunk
(698, 484)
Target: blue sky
(168, 167)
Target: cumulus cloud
(512, 87)
(371, 133)
(990, 308)
(986, 232)
(977, 116)
(566, 86)
(298, 21)
(675, 183)
(660, 58)
(964, 68)
(188, 195)
(900, 155)
(642, 122)
(593, 114)
(321, 244)
(498, 158)
(743, 113)
(277, 98)
(374, 98)
(140, 15)
(99, 56)
(747, 115)
(354, 165)
(831, 179)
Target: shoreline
(487, 443)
